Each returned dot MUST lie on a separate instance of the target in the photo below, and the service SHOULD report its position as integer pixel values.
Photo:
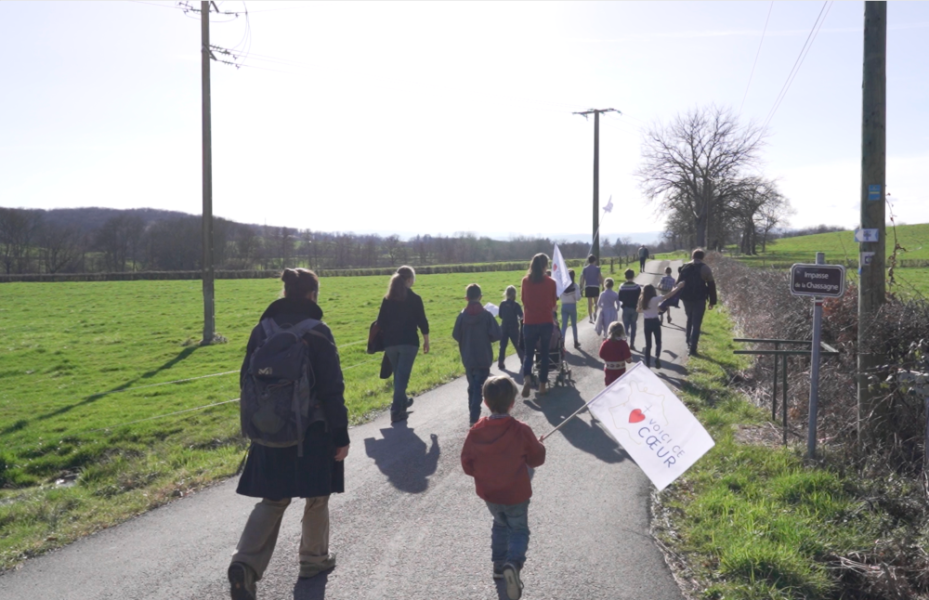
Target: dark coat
(475, 331)
(399, 319)
(277, 473)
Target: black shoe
(577, 344)
(399, 417)
(501, 366)
(241, 581)
(409, 402)
(657, 363)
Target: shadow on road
(561, 403)
(403, 457)
(313, 588)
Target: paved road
(410, 525)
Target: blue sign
(874, 192)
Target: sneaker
(669, 319)
(657, 363)
(514, 587)
(241, 581)
(409, 402)
(525, 392)
(308, 570)
(498, 570)
(577, 344)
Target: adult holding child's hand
(540, 299)
(401, 314)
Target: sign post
(817, 280)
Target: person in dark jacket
(699, 286)
(312, 472)
(498, 453)
(475, 331)
(511, 315)
(401, 313)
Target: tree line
(109, 240)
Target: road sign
(866, 235)
(817, 280)
(865, 259)
(874, 192)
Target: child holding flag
(498, 453)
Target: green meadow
(109, 407)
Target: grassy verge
(105, 396)
(752, 520)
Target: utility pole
(871, 288)
(595, 245)
(209, 316)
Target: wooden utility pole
(871, 287)
(209, 317)
(595, 244)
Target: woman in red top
(615, 353)
(540, 299)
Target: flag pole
(581, 409)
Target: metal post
(774, 393)
(596, 239)
(209, 321)
(814, 367)
(784, 402)
(873, 193)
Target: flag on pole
(559, 271)
(652, 425)
(609, 205)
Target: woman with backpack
(312, 468)
(401, 314)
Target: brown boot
(543, 387)
(525, 392)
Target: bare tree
(60, 247)
(688, 165)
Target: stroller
(557, 365)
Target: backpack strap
(270, 327)
(304, 327)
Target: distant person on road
(475, 331)
(615, 353)
(511, 315)
(569, 299)
(665, 286)
(699, 286)
(608, 305)
(643, 256)
(648, 306)
(498, 453)
(401, 313)
(314, 470)
(629, 293)
(540, 299)
(592, 279)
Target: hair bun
(289, 276)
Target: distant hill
(92, 218)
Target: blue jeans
(401, 359)
(476, 378)
(569, 311)
(509, 537)
(694, 309)
(630, 319)
(533, 335)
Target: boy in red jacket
(498, 453)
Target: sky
(441, 117)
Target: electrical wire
(817, 25)
(757, 54)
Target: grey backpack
(277, 404)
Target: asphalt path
(410, 525)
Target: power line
(757, 54)
(817, 25)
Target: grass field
(93, 427)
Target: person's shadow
(561, 403)
(403, 457)
(313, 588)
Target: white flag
(609, 205)
(559, 272)
(492, 308)
(652, 425)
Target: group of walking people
(499, 449)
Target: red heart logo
(636, 416)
